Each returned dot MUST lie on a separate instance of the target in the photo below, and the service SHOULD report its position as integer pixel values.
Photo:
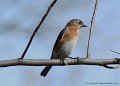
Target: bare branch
(115, 52)
(57, 62)
(37, 28)
(110, 67)
(91, 27)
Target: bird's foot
(77, 58)
(62, 61)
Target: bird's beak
(84, 25)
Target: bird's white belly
(67, 48)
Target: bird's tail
(45, 71)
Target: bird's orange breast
(70, 34)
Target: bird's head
(77, 23)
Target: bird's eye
(79, 22)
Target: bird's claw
(63, 62)
(77, 58)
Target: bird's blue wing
(60, 35)
(57, 40)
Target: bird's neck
(73, 32)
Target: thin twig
(118, 66)
(57, 62)
(91, 27)
(110, 67)
(115, 52)
(37, 28)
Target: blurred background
(18, 19)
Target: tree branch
(37, 28)
(57, 62)
(91, 27)
(115, 52)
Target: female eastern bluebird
(65, 42)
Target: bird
(66, 42)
